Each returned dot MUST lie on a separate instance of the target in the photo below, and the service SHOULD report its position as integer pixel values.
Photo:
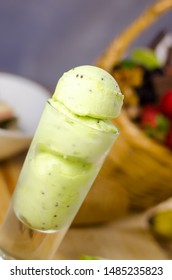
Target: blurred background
(41, 39)
(129, 207)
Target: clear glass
(63, 160)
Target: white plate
(28, 100)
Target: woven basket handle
(117, 49)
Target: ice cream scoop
(89, 91)
(53, 192)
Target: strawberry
(165, 105)
(155, 124)
(148, 116)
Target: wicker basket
(138, 171)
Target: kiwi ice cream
(89, 91)
(72, 139)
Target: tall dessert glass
(64, 159)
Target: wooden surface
(127, 238)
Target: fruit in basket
(154, 123)
(165, 105)
(136, 82)
(147, 87)
(146, 57)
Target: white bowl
(27, 99)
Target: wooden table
(127, 238)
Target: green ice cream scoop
(53, 191)
(89, 91)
